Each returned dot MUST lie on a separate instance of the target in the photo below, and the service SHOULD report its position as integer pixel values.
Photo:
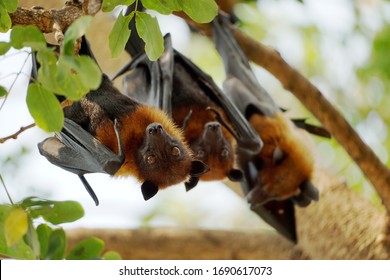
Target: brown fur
(200, 116)
(132, 130)
(282, 180)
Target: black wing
(241, 85)
(76, 150)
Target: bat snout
(154, 129)
(214, 126)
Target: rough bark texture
(195, 244)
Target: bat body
(279, 175)
(111, 133)
(212, 125)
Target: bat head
(214, 148)
(164, 161)
(284, 165)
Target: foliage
(6, 7)
(20, 239)
(201, 11)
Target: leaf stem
(6, 190)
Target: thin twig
(16, 134)
(6, 190)
(13, 83)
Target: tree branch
(52, 20)
(16, 134)
(190, 244)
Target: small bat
(280, 175)
(108, 132)
(212, 124)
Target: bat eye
(224, 153)
(175, 151)
(151, 159)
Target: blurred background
(341, 46)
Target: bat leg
(89, 189)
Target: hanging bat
(212, 125)
(108, 132)
(279, 176)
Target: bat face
(213, 148)
(162, 158)
(284, 163)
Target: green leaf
(10, 5)
(27, 36)
(87, 249)
(44, 232)
(68, 78)
(5, 20)
(88, 71)
(109, 5)
(59, 212)
(55, 212)
(157, 5)
(4, 47)
(15, 226)
(45, 108)
(75, 31)
(57, 245)
(111, 255)
(19, 250)
(119, 35)
(202, 11)
(149, 31)
(3, 91)
(31, 238)
(48, 70)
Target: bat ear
(149, 190)
(309, 190)
(191, 183)
(235, 175)
(258, 196)
(198, 168)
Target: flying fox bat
(108, 132)
(212, 124)
(279, 176)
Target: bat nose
(213, 126)
(154, 128)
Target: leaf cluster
(20, 239)
(201, 11)
(59, 73)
